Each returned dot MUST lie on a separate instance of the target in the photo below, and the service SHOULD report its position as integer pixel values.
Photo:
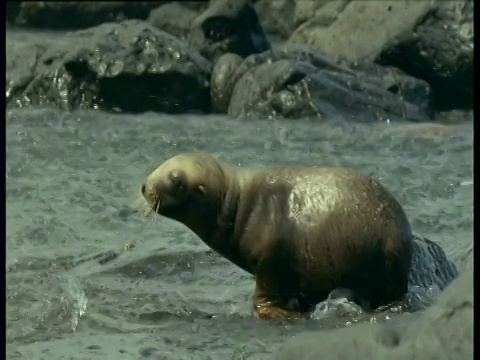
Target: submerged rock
(130, 66)
(296, 82)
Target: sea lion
(301, 231)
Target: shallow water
(72, 180)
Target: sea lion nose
(143, 189)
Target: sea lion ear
(200, 189)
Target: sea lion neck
(227, 211)
(225, 239)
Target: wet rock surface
(430, 265)
(431, 272)
(128, 66)
(444, 331)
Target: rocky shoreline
(362, 61)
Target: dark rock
(130, 66)
(444, 331)
(430, 266)
(292, 83)
(431, 40)
(76, 14)
(228, 26)
(173, 18)
(431, 273)
(441, 52)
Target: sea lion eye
(177, 180)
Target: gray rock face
(129, 66)
(444, 331)
(228, 26)
(431, 40)
(295, 82)
(351, 29)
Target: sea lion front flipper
(266, 307)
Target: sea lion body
(301, 231)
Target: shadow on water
(75, 285)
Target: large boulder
(298, 82)
(130, 66)
(431, 40)
(444, 331)
(228, 26)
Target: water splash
(76, 298)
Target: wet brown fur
(360, 239)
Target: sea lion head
(188, 188)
